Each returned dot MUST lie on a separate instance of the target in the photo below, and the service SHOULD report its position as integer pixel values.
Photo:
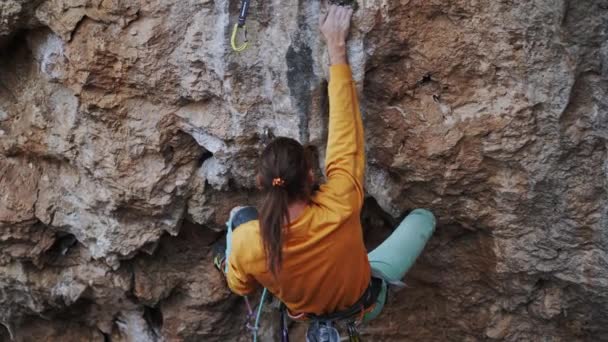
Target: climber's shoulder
(247, 236)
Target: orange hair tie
(278, 182)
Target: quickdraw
(353, 332)
(240, 25)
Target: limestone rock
(16, 15)
(129, 129)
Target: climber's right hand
(335, 26)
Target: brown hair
(283, 178)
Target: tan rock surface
(128, 129)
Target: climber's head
(285, 177)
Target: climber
(306, 247)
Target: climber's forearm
(337, 52)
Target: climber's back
(324, 269)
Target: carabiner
(240, 24)
(233, 38)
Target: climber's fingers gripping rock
(335, 26)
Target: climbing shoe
(219, 253)
(238, 216)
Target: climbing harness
(283, 326)
(326, 331)
(240, 26)
(251, 315)
(323, 328)
(322, 331)
(353, 333)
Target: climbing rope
(250, 315)
(222, 263)
(240, 26)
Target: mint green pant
(396, 255)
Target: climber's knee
(238, 216)
(428, 215)
(396, 255)
(242, 215)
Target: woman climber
(306, 247)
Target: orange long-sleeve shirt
(325, 266)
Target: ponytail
(274, 212)
(283, 178)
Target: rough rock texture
(128, 129)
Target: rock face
(128, 129)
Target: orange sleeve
(345, 158)
(239, 281)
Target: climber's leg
(242, 215)
(380, 301)
(238, 216)
(396, 255)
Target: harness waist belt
(367, 300)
